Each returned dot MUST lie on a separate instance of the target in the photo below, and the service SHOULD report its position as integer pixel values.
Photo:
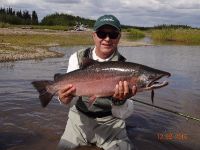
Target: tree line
(8, 15)
(66, 20)
(171, 26)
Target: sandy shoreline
(14, 52)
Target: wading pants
(108, 132)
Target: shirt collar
(95, 57)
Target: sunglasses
(111, 35)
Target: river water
(25, 125)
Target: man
(102, 123)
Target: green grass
(134, 34)
(178, 36)
(4, 25)
(46, 39)
(55, 27)
(64, 28)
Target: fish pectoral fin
(91, 100)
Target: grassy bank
(134, 34)
(177, 36)
(46, 39)
(19, 44)
(55, 27)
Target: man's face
(106, 40)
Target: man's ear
(120, 34)
(93, 36)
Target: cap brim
(103, 24)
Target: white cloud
(64, 1)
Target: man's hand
(123, 91)
(66, 94)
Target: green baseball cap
(107, 20)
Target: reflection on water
(25, 125)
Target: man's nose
(107, 38)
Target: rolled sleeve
(73, 63)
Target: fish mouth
(155, 84)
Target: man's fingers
(121, 89)
(134, 90)
(67, 92)
(126, 89)
(116, 90)
(66, 88)
(70, 91)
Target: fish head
(149, 78)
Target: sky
(144, 13)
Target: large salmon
(98, 79)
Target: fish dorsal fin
(58, 76)
(86, 62)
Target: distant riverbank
(178, 36)
(21, 44)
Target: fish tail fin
(45, 91)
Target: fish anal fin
(92, 100)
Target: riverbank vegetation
(134, 34)
(177, 36)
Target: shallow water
(25, 125)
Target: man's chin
(107, 48)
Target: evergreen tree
(26, 17)
(2, 11)
(19, 14)
(34, 18)
(8, 15)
